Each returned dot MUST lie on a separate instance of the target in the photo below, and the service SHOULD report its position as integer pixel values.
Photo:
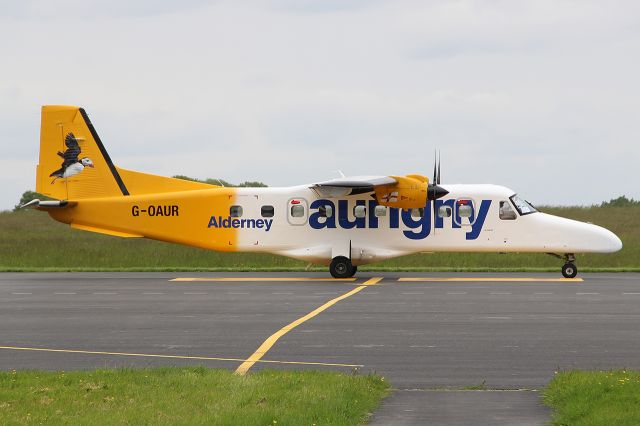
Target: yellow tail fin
(74, 163)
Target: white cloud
(541, 96)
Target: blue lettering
(476, 227)
(373, 219)
(317, 220)
(416, 228)
(343, 215)
(439, 222)
(394, 218)
(424, 222)
(219, 222)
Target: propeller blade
(434, 189)
(435, 160)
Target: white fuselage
(475, 224)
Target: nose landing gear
(569, 269)
(341, 267)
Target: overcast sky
(540, 96)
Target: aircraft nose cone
(606, 241)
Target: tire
(569, 270)
(341, 267)
(354, 269)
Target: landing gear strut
(341, 267)
(569, 269)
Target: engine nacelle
(409, 193)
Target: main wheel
(569, 270)
(354, 269)
(341, 267)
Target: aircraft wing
(351, 185)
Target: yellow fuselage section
(179, 217)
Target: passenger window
(359, 211)
(444, 211)
(465, 210)
(380, 211)
(506, 212)
(297, 210)
(417, 212)
(235, 211)
(325, 211)
(267, 211)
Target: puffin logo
(71, 165)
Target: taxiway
(431, 335)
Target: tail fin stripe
(113, 169)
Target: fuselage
(468, 219)
(296, 222)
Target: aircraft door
(297, 211)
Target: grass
(589, 398)
(188, 395)
(32, 241)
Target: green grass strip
(589, 398)
(188, 395)
(32, 241)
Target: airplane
(342, 223)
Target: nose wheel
(341, 267)
(569, 270)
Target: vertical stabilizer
(73, 161)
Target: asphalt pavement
(432, 336)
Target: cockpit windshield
(522, 205)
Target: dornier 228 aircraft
(343, 223)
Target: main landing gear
(341, 267)
(569, 269)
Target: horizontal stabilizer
(48, 204)
(105, 231)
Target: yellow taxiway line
(257, 279)
(205, 358)
(490, 279)
(268, 344)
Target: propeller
(434, 189)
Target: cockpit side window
(522, 205)
(506, 212)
